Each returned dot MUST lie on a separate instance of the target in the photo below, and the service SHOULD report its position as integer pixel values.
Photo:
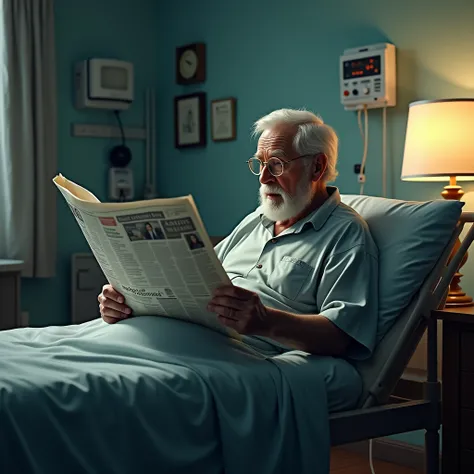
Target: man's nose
(266, 177)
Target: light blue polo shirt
(326, 263)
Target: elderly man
(303, 265)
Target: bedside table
(10, 280)
(458, 389)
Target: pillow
(410, 237)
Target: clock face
(188, 64)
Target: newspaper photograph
(157, 253)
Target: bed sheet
(160, 395)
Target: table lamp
(439, 146)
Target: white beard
(288, 206)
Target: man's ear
(320, 165)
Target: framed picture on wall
(223, 118)
(190, 120)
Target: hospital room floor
(347, 462)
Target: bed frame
(375, 417)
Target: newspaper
(157, 253)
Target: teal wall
(112, 28)
(267, 54)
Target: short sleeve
(348, 296)
(222, 248)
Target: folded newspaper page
(157, 253)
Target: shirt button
(274, 241)
(259, 265)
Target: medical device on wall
(104, 84)
(367, 77)
(368, 80)
(121, 186)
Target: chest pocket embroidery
(289, 276)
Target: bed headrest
(410, 237)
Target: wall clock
(191, 63)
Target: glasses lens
(275, 166)
(255, 166)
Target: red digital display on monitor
(364, 67)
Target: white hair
(313, 135)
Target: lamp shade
(439, 141)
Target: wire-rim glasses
(275, 165)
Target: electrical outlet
(107, 131)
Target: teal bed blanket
(157, 395)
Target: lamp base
(453, 192)
(456, 296)
(458, 302)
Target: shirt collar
(317, 218)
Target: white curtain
(28, 135)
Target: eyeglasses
(276, 166)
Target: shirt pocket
(289, 276)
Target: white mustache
(269, 189)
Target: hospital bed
(375, 417)
(40, 406)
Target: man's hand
(240, 309)
(243, 311)
(112, 305)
